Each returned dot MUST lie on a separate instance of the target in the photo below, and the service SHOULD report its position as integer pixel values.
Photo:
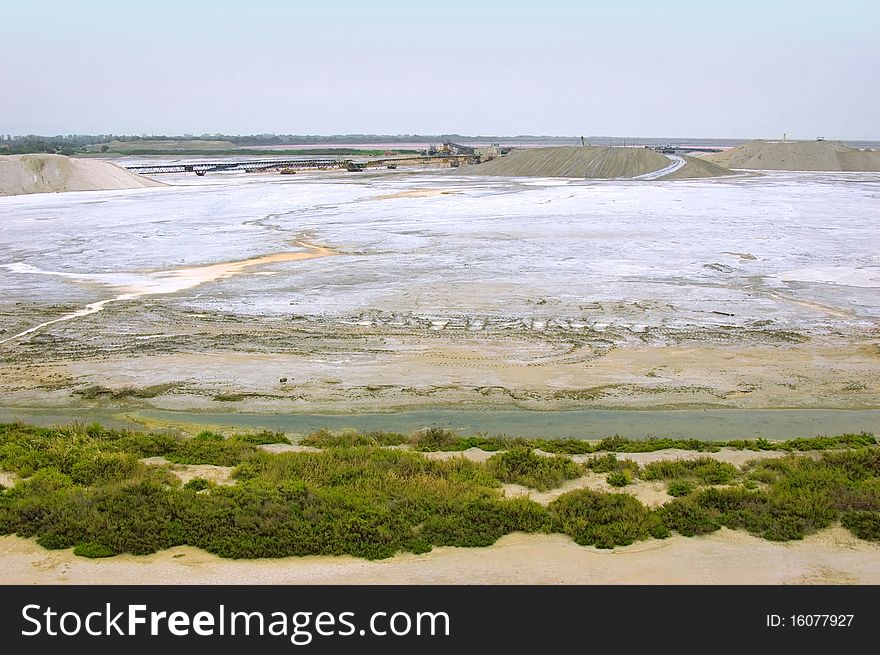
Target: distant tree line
(62, 144)
(73, 143)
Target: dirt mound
(48, 173)
(593, 162)
(695, 167)
(797, 156)
(589, 162)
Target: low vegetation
(678, 488)
(619, 478)
(89, 488)
(705, 470)
(96, 391)
(440, 439)
(802, 495)
(604, 520)
(523, 466)
(609, 463)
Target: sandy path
(676, 163)
(725, 557)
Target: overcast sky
(702, 68)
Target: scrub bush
(523, 466)
(619, 478)
(603, 520)
(678, 488)
(704, 470)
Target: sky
(700, 68)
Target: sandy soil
(797, 156)
(650, 493)
(417, 193)
(186, 472)
(206, 364)
(21, 174)
(589, 162)
(724, 557)
(736, 457)
(695, 168)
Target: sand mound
(695, 167)
(797, 156)
(47, 173)
(591, 162)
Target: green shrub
(92, 550)
(197, 484)
(678, 488)
(263, 437)
(211, 448)
(387, 438)
(523, 466)
(688, 517)
(703, 469)
(619, 478)
(864, 525)
(603, 463)
(435, 439)
(565, 446)
(623, 445)
(609, 462)
(828, 443)
(324, 438)
(82, 487)
(603, 520)
(101, 468)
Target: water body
(716, 424)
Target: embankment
(592, 162)
(797, 156)
(21, 174)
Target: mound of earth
(48, 173)
(797, 156)
(695, 167)
(589, 162)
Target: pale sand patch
(729, 455)
(417, 193)
(478, 371)
(724, 557)
(8, 479)
(831, 311)
(650, 493)
(473, 454)
(186, 472)
(288, 448)
(186, 278)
